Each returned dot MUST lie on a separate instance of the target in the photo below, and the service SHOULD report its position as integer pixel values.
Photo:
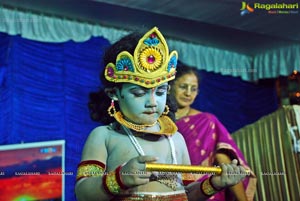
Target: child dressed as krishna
(131, 157)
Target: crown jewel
(150, 66)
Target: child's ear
(111, 92)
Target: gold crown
(150, 66)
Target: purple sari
(205, 135)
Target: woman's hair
(183, 69)
(99, 101)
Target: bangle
(89, 168)
(119, 179)
(207, 187)
(216, 189)
(112, 182)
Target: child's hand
(133, 173)
(231, 175)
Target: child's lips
(149, 112)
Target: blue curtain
(235, 102)
(44, 94)
(44, 91)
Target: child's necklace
(140, 150)
(167, 126)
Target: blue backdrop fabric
(44, 94)
(44, 91)
(235, 102)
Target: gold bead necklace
(137, 127)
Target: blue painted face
(141, 105)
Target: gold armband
(207, 188)
(90, 168)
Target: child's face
(142, 105)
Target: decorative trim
(207, 187)
(110, 184)
(90, 168)
(167, 126)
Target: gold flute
(160, 167)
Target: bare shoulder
(95, 145)
(99, 133)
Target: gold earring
(167, 110)
(112, 110)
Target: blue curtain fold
(44, 90)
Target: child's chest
(121, 149)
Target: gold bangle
(110, 183)
(90, 168)
(207, 188)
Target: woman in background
(208, 141)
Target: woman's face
(185, 89)
(142, 105)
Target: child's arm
(94, 183)
(89, 184)
(231, 175)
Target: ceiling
(213, 23)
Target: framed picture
(32, 171)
